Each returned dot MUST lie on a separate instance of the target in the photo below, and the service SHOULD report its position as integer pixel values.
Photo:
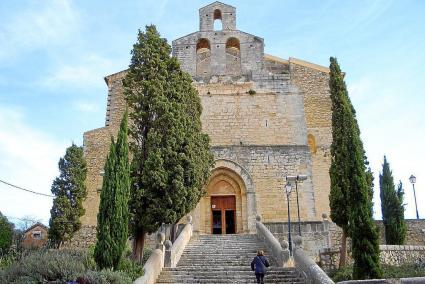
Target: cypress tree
(392, 207)
(171, 157)
(113, 216)
(70, 191)
(339, 170)
(351, 183)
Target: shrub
(6, 234)
(104, 277)
(7, 259)
(47, 265)
(343, 274)
(389, 271)
(131, 268)
(251, 92)
(146, 254)
(404, 271)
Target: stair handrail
(311, 271)
(173, 252)
(154, 264)
(279, 251)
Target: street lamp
(412, 180)
(297, 179)
(288, 189)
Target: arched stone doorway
(229, 204)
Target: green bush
(146, 254)
(389, 271)
(404, 271)
(47, 265)
(6, 234)
(104, 277)
(60, 266)
(7, 259)
(342, 274)
(130, 268)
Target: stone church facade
(267, 118)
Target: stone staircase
(224, 259)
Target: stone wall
(313, 83)
(268, 166)
(389, 255)
(321, 240)
(415, 234)
(115, 103)
(315, 235)
(96, 148)
(83, 238)
(231, 116)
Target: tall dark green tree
(339, 170)
(113, 216)
(392, 207)
(70, 191)
(351, 183)
(171, 156)
(6, 234)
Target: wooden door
(223, 214)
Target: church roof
(309, 64)
(297, 61)
(217, 3)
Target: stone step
(227, 279)
(229, 272)
(224, 259)
(226, 268)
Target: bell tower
(220, 12)
(209, 54)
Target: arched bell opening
(233, 56)
(203, 57)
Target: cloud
(44, 24)
(29, 159)
(86, 74)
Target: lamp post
(297, 179)
(412, 180)
(288, 189)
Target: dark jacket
(259, 264)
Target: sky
(54, 55)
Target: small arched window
(312, 143)
(203, 57)
(218, 25)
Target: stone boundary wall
(319, 236)
(415, 234)
(414, 280)
(390, 255)
(415, 231)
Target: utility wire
(27, 190)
